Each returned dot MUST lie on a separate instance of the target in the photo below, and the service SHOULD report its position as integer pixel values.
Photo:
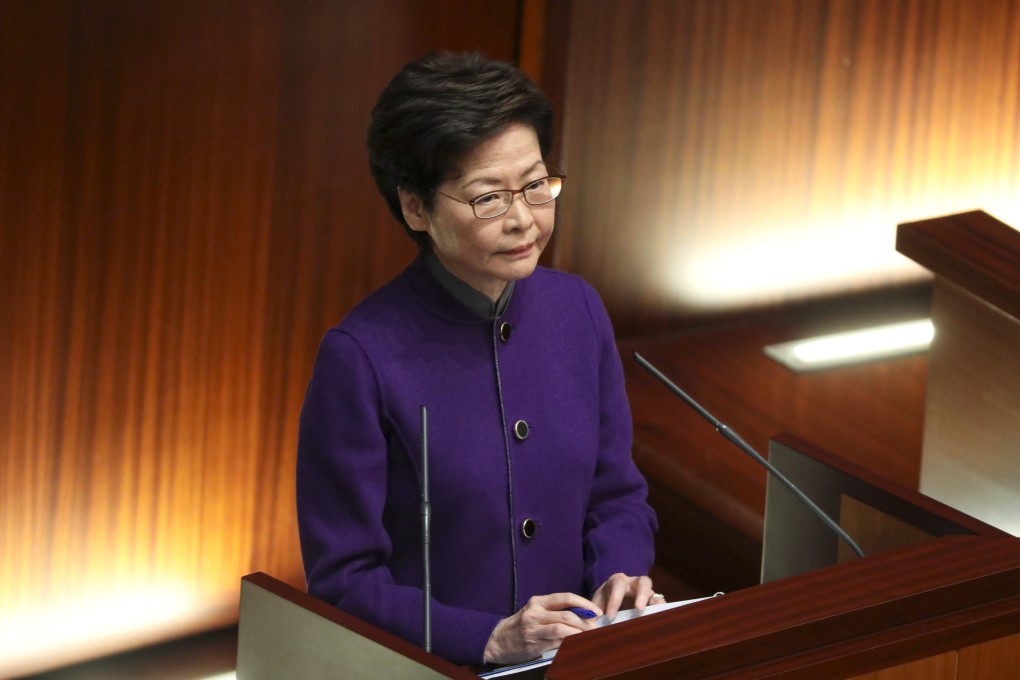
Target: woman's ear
(414, 210)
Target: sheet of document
(625, 615)
(628, 614)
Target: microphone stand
(732, 436)
(425, 539)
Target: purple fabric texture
(358, 473)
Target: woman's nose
(519, 214)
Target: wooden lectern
(285, 633)
(936, 598)
(971, 452)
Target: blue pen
(582, 612)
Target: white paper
(625, 615)
(628, 614)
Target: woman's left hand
(620, 589)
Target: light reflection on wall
(726, 156)
(96, 623)
(777, 258)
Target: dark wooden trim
(973, 250)
(837, 622)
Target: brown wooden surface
(837, 622)
(941, 667)
(710, 495)
(971, 250)
(727, 154)
(993, 660)
(185, 207)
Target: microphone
(426, 512)
(732, 436)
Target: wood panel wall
(992, 660)
(731, 154)
(185, 207)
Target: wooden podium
(972, 418)
(284, 632)
(937, 597)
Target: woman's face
(488, 253)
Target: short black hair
(435, 110)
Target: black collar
(465, 294)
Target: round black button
(521, 430)
(505, 330)
(528, 528)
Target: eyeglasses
(495, 203)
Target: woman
(536, 504)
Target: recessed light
(866, 344)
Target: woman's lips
(523, 251)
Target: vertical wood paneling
(938, 667)
(185, 207)
(134, 218)
(994, 660)
(727, 154)
(27, 243)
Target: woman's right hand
(538, 627)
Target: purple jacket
(528, 420)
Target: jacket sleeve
(619, 523)
(341, 495)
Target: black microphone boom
(725, 431)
